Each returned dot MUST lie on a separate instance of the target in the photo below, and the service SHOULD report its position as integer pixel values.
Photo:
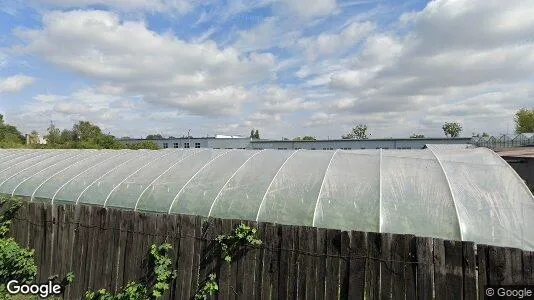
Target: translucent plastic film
(350, 196)
(293, 193)
(494, 207)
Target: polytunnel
(445, 192)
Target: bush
(16, 263)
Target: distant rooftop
(373, 139)
(523, 152)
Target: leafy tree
(10, 136)
(359, 132)
(305, 138)
(257, 134)
(154, 137)
(524, 121)
(33, 138)
(143, 145)
(252, 135)
(417, 136)
(53, 136)
(452, 129)
(86, 131)
(68, 136)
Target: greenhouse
(445, 192)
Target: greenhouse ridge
(443, 191)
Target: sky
(288, 68)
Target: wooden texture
(107, 248)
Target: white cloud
(311, 9)
(181, 6)
(15, 83)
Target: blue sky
(288, 68)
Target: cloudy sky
(287, 67)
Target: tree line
(82, 135)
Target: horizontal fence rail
(107, 248)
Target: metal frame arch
(229, 179)
(163, 173)
(272, 181)
(135, 172)
(81, 173)
(34, 165)
(60, 171)
(103, 175)
(321, 188)
(52, 165)
(22, 161)
(191, 179)
(450, 189)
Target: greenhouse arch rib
(80, 174)
(511, 169)
(163, 173)
(60, 171)
(272, 181)
(103, 175)
(321, 188)
(32, 175)
(192, 177)
(36, 164)
(133, 173)
(450, 189)
(228, 181)
(22, 161)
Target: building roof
(523, 152)
(465, 139)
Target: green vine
(156, 284)
(230, 245)
(209, 288)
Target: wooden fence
(106, 248)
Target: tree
(252, 134)
(10, 136)
(86, 131)
(452, 129)
(417, 136)
(257, 134)
(154, 137)
(144, 145)
(54, 135)
(484, 134)
(524, 121)
(359, 132)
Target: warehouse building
(235, 142)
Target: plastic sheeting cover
(446, 192)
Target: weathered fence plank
(440, 271)
(372, 276)
(310, 269)
(357, 265)
(425, 269)
(469, 270)
(333, 246)
(482, 270)
(454, 269)
(286, 288)
(320, 262)
(528, 267)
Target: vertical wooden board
(209, 261)
(104, 250)
(96, 244)
(68, 238)
(320, 261)
(516, 260)
(79, 257)
(333, 246)
(260, 261)
(112, 235)
(269, 274)
(37, 232)
(92, 232)
(410, 271)
(118, 271)
(440, 271)
(425, 267)
(344, 265)
(300, 262)
(499, 266)
(386, 265)
(469, 270)
(225, 285)
(310, 283)
(247, 267)
(185, 261)
(286, 290)
(196, 254)
(482, 269)
(357, 265)
(528, 267)
(58, 252)
(453, 269)
(48, 243)
(174, 238)
(372, 276)
(399, 265)
(19, 227)
(129, 266)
